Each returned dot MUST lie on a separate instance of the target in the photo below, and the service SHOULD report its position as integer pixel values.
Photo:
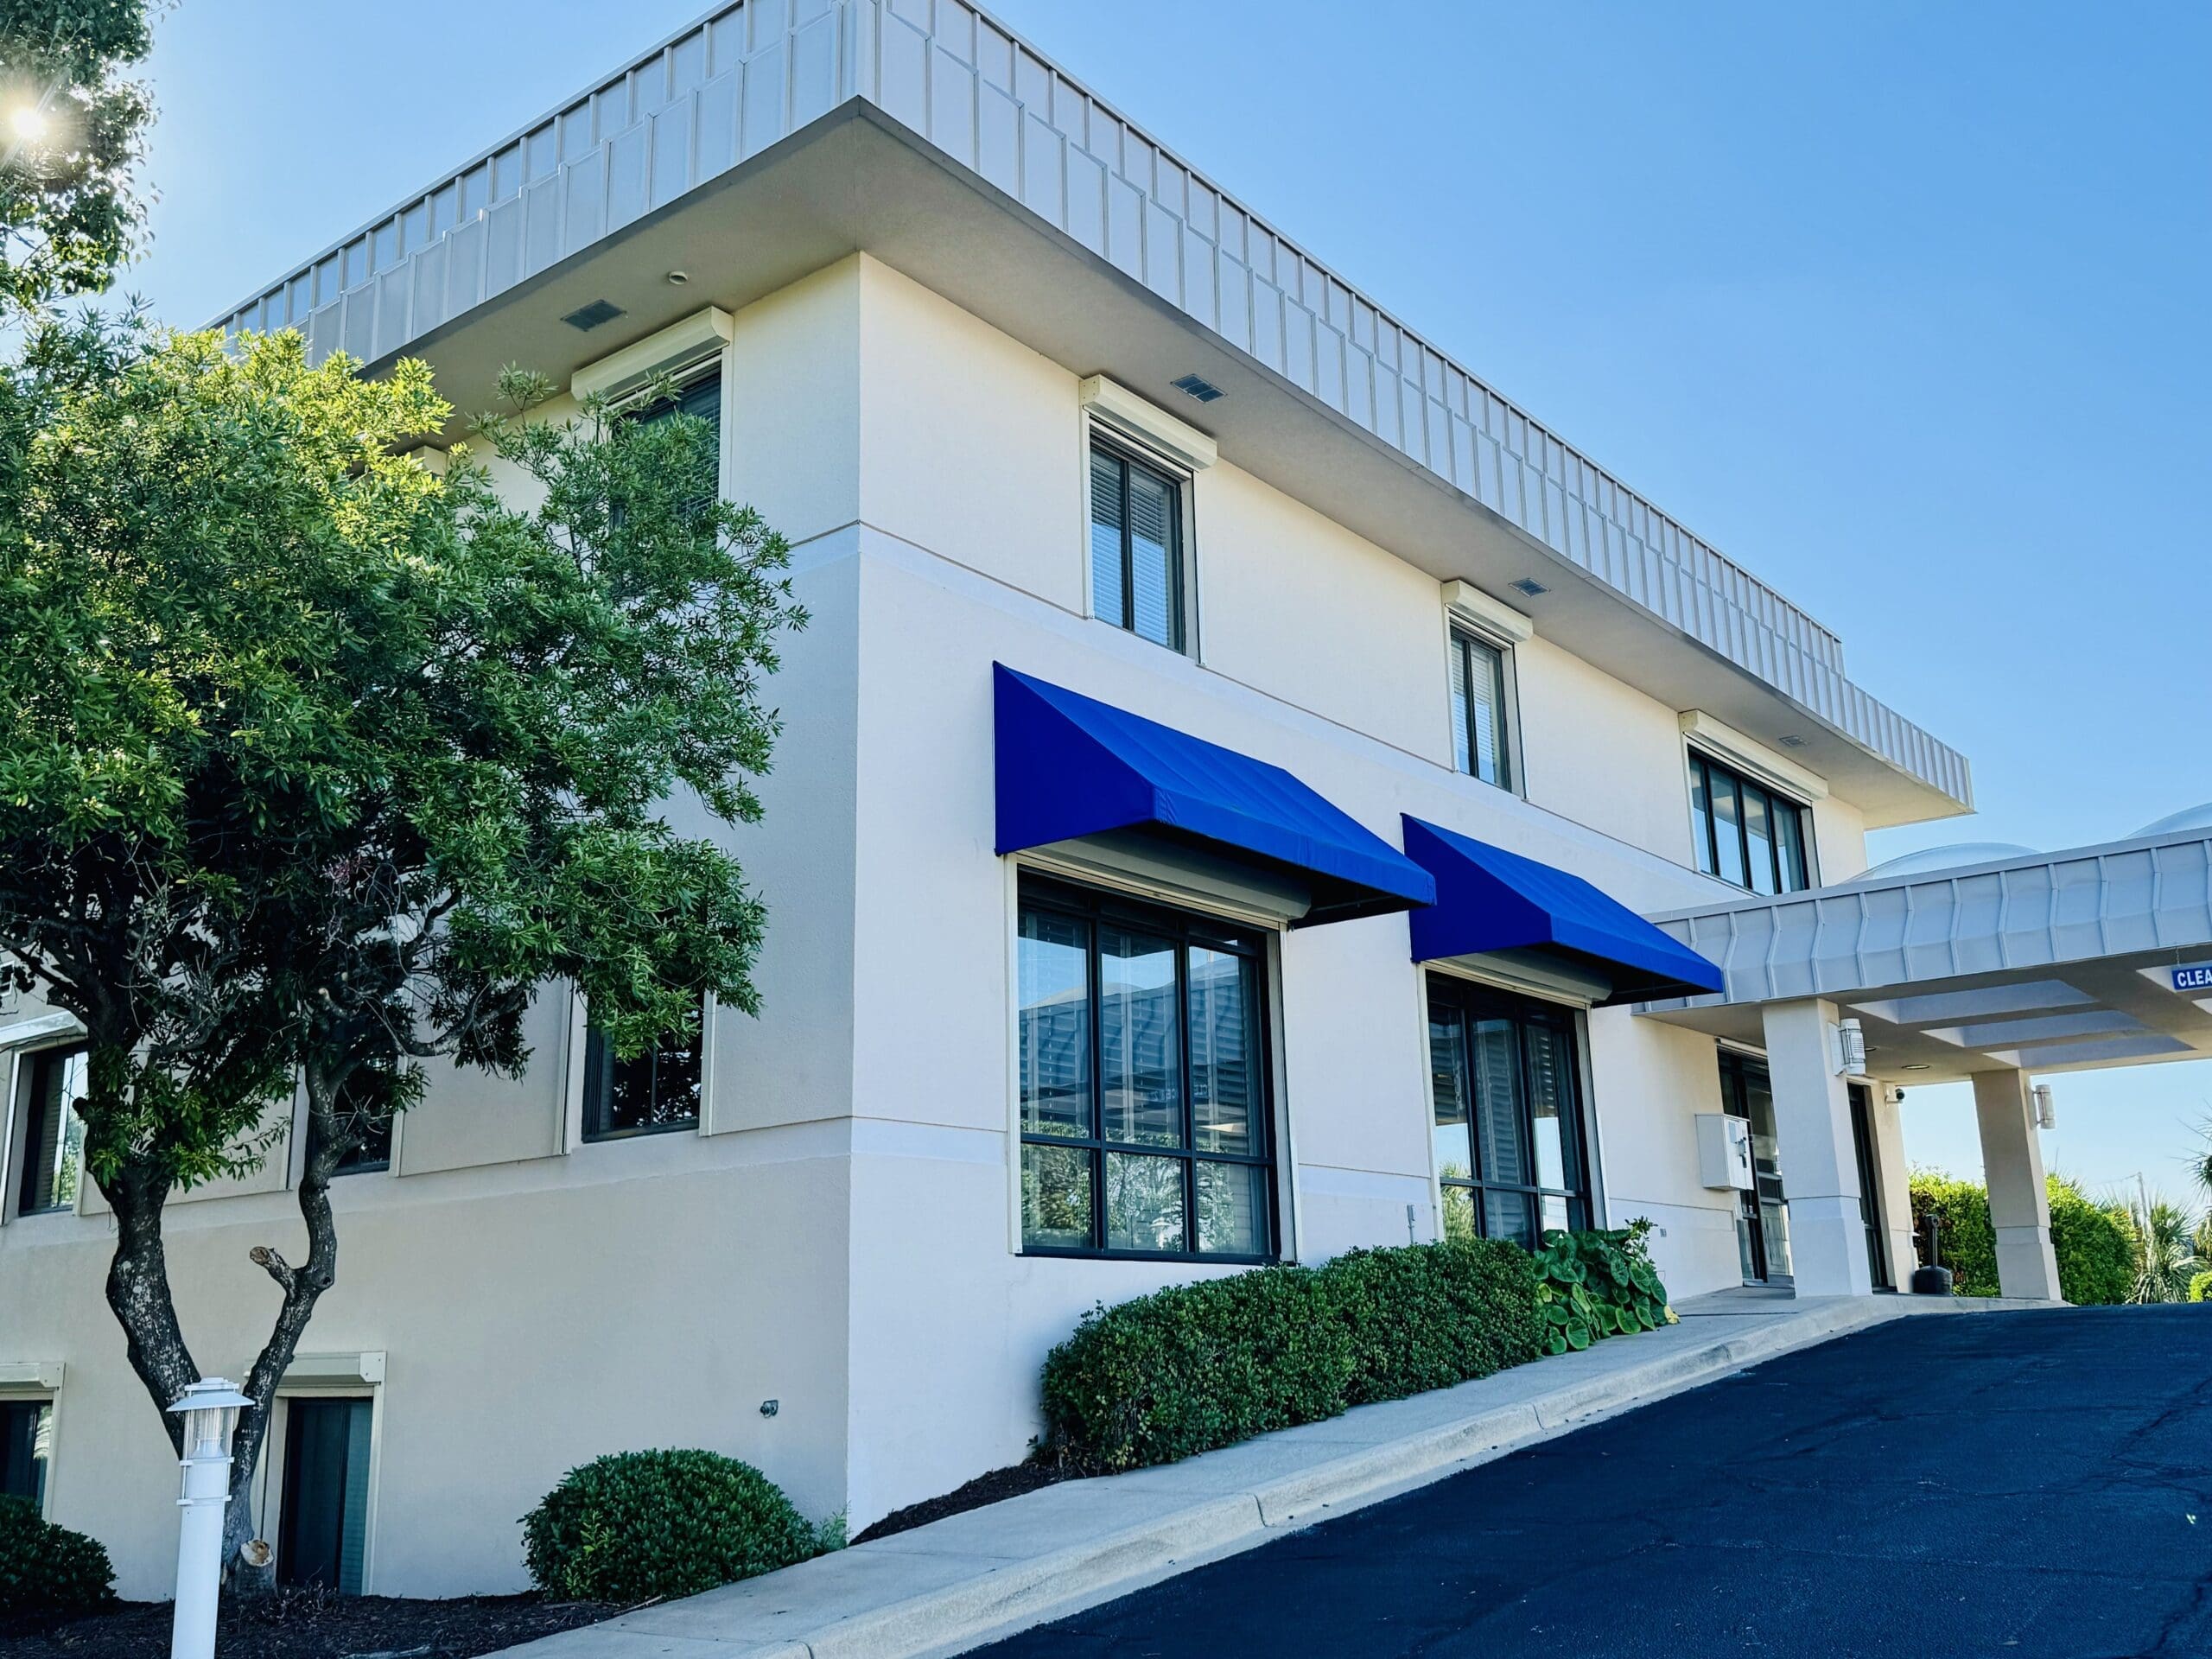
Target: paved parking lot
(2021, 1484)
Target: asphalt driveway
(2021, 1484)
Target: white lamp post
(210, 1409)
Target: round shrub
(46, 1568)
(2199, 1286)
(636, 1525)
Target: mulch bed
(1010, 1482)
(305, 1625)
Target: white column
(2019, 1204)
(1887, 1122)
(1820, 1167)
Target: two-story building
(1221, 787)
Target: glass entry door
(1762, 1224)
(1870, 1198)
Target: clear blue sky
(1904, 305)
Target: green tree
(2164, 1258)
(72, 126)
(319, 764)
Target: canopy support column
(2019, 1204)
(1819, 1164)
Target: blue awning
(1489, 900)
(1069, 766)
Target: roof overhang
(2065, 962)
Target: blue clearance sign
(2194, 979)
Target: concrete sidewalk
(970, 1579)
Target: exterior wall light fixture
(2046, 1107)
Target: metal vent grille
(584, 319)
(1205, 390)
(1529, 586)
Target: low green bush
(46, 1568)
(1597, 1284)
(2095, 1250)
(2198, 1285)
(1196, 1366)
(1964, 1243)
(2092, 1241)
(638, 1525)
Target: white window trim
(573, 1079)
(321, 1377)
(1479, 625)
(680, 346)
(1480, 613)
(38, 1382)
(1762, 765)
(1127, 423)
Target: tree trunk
(138, 1290)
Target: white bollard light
(210, 1409)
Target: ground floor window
(53, 1146)
(656, 1090)
(1509, 1136)
(25, 1428)
(323, 1535)
(1145, 1080)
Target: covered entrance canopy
(1988, 972)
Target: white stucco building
(1194, 647)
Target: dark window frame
(1185, 928)
(1127, 456)
(598, 1063)
(35, 1412)
(31, 1111)
(1469, 1001)
(1706, 828)
(292, 1479)
(1465, 642)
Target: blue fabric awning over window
(1071, 766)
(1489, 900)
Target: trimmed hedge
(1198, 1366)
(1597, 1284)
(2096, 1254)
(46, 1568)
(2095, 1251)
(636, 1525)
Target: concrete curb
(957, 1584)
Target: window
(54, 1135)
(1144, 1081)
(372, 1152)
(657, 1090)
(1480, 746)
(701, 398)
(1136, 546)
(323, 1535)
(1508, 1134)
(26, 1427)
(1746, 835)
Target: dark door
(325, 1494)
(1870, 1192)
(1763, 1224)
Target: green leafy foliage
(1596, 1284)
(638, 1525)
(1964, 1242)
(1201, 1365)
(69, 212)
(2094, 1243)
(44, 1568)
(2198, 1285)
(2096, 1256)
(2164, 1254)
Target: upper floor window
(1746, 835)
(1481, 744)
(1136, 546)
(53, 1144)
(1144, 1081)
(656, 1090)
(701, 398)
